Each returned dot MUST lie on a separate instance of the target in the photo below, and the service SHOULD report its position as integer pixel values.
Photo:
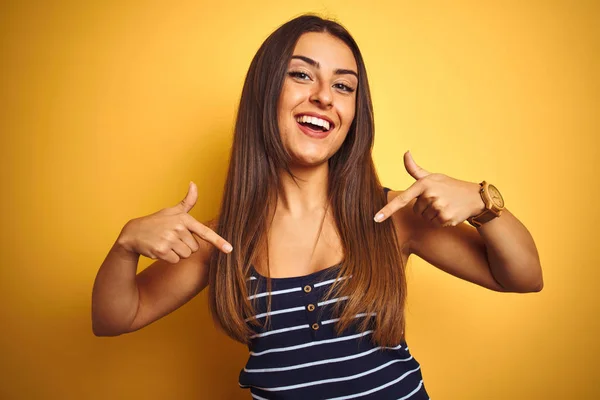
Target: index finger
(207, 234)
(413, 191)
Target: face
(318, 98)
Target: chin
(305, 153)
(308, 160)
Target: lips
(314, 125)
(317, 134)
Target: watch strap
(491, 210)
(482, 218)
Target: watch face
(496, 196)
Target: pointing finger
(208, 235)
(414, 191)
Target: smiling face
(318, 98)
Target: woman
(311, 275)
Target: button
(307, 288)
(315, 326)
(311, 307)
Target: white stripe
(329, 321)
(291, 328)
(413, 392)
(326, 361)
(285, 310)
(322, 303)
(327, 282)
(293, 289)
(310, 344)
(257, 397)
(378, 388)
(300, 308)
(274, 293)
(341, 379)
(251, 278)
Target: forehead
(329, 51)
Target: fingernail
(227, 247)
(379, 217)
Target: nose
(322, 95)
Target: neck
(305, 195)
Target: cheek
(285, 107)
(348, 112)
(290, 95)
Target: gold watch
(494, 204)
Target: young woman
(305, 261)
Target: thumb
(413, 169)
(190, 198)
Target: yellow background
(108, 109)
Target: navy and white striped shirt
(301, 357)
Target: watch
(494, 204)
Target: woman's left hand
(441, 200)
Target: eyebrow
(339, 71)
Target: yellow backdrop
(109, 109)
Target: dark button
(307, 288)
(311, 307)
(315, 326)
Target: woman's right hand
(167, 234)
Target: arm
(500, 255)
(124, 302)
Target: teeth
(314, 121)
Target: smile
(314, 126)
(313, 122)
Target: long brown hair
(371, 250)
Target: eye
(343, 87)
(299, 75)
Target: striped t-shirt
(300, 356)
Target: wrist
(124, 251)
(478, 203)
(124, 245)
